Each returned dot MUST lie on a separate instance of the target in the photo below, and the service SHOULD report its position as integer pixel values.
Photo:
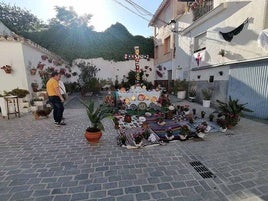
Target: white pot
(34, 108)
(3, 106)
(181, 94)
(206, 103)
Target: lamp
(172, 24)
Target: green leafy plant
(21, 93)
(207, 93)
(184, 130)
(96, 115)
(180, 85)
(232, 111)
(192, 92)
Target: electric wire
(138, 8)
(131, 10)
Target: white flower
(171, 107)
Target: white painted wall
(22, 56)
(110, 69)
(243, 47)
(11, 54)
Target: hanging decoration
(263, 39)
(199, 58)
(228, 36)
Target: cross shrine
(137, 58)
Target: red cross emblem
(198, 59)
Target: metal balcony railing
(202, 8)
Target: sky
(105, 12)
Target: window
(156, 52)
(200, 42)
(166, 45)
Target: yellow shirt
(51, 86)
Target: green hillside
(69, 35)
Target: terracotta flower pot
(92, 135)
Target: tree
(19, 20)
(87, 78)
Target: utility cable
(131, 10)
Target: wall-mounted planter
(7, 69)
(33, 71)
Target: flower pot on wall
(206, 103)
(7, 69)
(33, 71)
(181, 94)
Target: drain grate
(202, 170)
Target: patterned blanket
(174, 125)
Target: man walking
(55, 97)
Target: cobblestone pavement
(41, 162)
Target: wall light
(172, 24)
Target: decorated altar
(139, 97)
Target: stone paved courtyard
(41, 162)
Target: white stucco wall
(23, 56)
(11, 54)
(226, 16)
(110, 69)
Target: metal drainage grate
(202, 170)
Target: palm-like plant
(232, 110)
(96, 115)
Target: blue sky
(105, 12)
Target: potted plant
(34, 86)
(96, 115)
(7, 69)
(184, 132)
(180, 88)
(116, 123)
(222, 123)
(232, 111)
(211, 116)
(207, 94)
(192, 94)
(33, 71)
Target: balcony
(201, 9)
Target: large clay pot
(92, 135)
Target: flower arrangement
(121, 139)
(221, 122)
(185, 130)
(169, 132)
(138, 138)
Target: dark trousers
(58, 108)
